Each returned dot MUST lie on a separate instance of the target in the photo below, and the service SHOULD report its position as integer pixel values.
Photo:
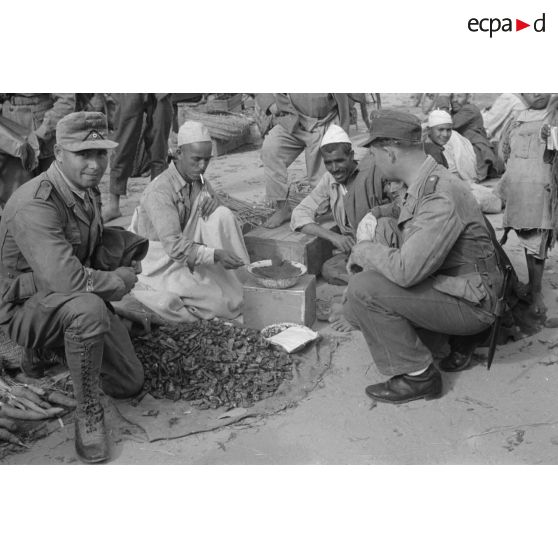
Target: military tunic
(438, 271)
(47, 238)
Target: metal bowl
(276, 283)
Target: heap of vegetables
(28, 402)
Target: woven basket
(11, 354)
(222, 126)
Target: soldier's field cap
(79, 131)
(394, 124)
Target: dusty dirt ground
(503, 416)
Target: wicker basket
(222, 126)
(11, 354)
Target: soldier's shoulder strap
(44, 189)
(431, 184)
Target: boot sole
(426, 397)
(92, 461)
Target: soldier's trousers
(42, 321)
(279, 150)
(389, 315)
(128, 122)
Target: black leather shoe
(403, 388)
(462, 349)
(457, 361)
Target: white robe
(179, 294)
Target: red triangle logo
(519, 25)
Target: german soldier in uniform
(433, 268)
(53, 295)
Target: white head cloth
(335, 134)
(437, 117)
(192, 132)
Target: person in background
(132, 109)
(530, 189)
(301, 122)
(38, 113)
(467, 120)
(449, 148)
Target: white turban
(192, 132)
(335, 134)
(437, 117)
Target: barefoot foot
(337, 320)
(282, 215)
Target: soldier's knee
(127, 382)
(88, 315)
(364, 286)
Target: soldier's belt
(484, 266)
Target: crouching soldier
(53, 295)
(436, 271)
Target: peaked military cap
(79, 131)
(394, 124)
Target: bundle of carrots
(28, 402)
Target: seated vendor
(196, 244)
(467, 120)
(350, 189)
(448, 147)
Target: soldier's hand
(342, 242)
(273, 109)
(228, 260)
(128, 275)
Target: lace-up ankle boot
(84, 361)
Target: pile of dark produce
(211, 364)
(282, 269)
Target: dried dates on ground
(212, 364)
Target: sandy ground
(504, 416)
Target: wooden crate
(263, 244)
(264, 306)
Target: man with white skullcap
(196, 244)
(449, 148)
(350, 189)
(301, 120)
